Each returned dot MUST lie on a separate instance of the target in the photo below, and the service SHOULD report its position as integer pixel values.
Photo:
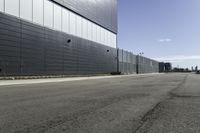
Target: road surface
(164, 103)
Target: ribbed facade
(127, 62)
(146, 65)
(102, 12)
(64, 37)
(132, 64)
(42, 37)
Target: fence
(128, 63)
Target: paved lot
(178, 114)
(165, 103)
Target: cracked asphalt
(163, 103)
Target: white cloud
(165, 40)
(178, 58)
(181, 60)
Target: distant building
(168, 66)
(176, 69)
(165, 67)
(161, 67)
(196, 68)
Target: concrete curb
(56, 80)
(47, 77)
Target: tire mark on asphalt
(71, 121)
(153, 114)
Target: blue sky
(166, 30)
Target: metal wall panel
(146, 65)
(127, 62)
(9, 45)
(102, 12)
(29, 49)
(131, 64)
(32, 49)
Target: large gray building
(47, 37)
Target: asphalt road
(165, 103)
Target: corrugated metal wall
(29, 49)
(146, 65)
(127, 62)
(102, 12)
